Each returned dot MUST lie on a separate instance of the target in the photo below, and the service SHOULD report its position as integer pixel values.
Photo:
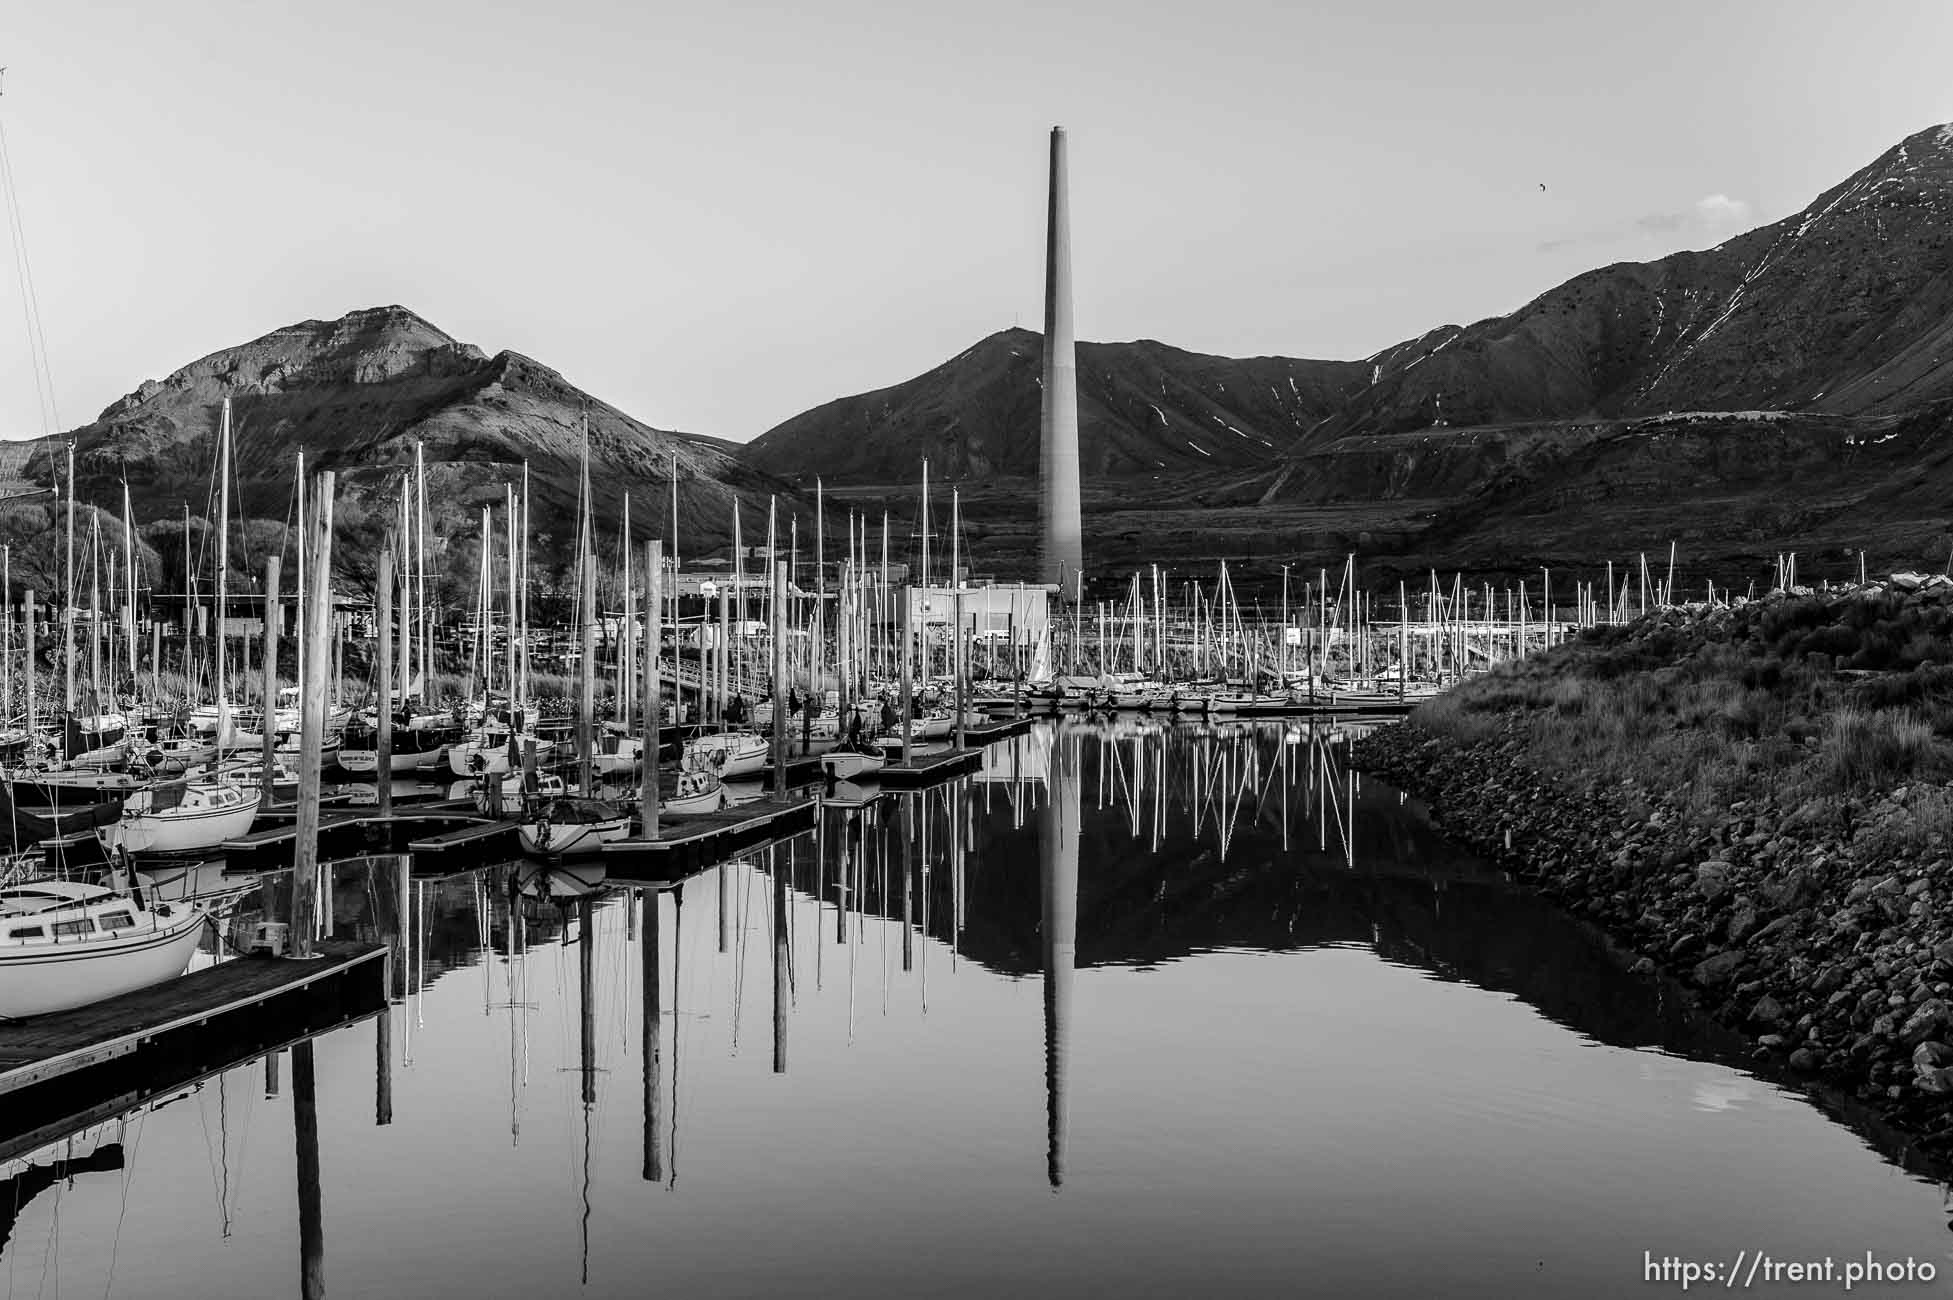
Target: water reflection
(1279, 1015)
(1058, 832)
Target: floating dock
(341, 830)
(478, 833)
(991, 732)
(691, 843)
(57, 1069)
(929, 769)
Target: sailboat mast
(523, 693)
(129, 570)
(223, 567)
(627, 642)
(420, 577)
(95, 611)
(300, 618)
(68, 601)
(819, 639)
(406, 596)
(508, 499)
(887, 669)
(922, 641)
(587, 620)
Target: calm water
(1135, 1011)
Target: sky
(716, 216)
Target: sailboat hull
(224, 814)
(571, 840)
(42, 978)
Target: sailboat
(184, 816)
(571, 825)
(729, 753)
(64, 944)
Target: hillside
(1789, 389)
(1845, 308)
(357, 395)
(1143, 408)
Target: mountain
(1788, 389)
(1143, 408)
(359, 395)
(1845, 308)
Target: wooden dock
(344, 831)
(480, 833)
(691, 843)
(991, 732)
(929, 769)
(115, 1054)
(801, 770)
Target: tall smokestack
(1064, 544)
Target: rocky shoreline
(1831, 950)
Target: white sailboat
(566, 826)
(850, 762)
(65, 944)
(729, 753)
(696, 791)
(183, 816)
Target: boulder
(1714, 970)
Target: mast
(627, 640)
(819, 639)
(920, 633)
(302, 619)
(508, 499)
(189, 603)
(884, 590)
(7, 631)
(523, 693)
(587, 620)
(68, 593)
(95, 610)
(420, 575)
(223, 569)
(406, 594)
(129, 567)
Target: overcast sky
(717, 215)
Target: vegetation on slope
(1821, 701)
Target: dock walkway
(47, 1048)
(685, 843)
(929, 769)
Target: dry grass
(1821, 703)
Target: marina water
(1137, 1009)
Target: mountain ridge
(1844, 307)
(361, 395)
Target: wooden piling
(383, 1068)
(653, 1031)
(311, 1201)
(586, 915)
(318, 647)
(779, 967)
